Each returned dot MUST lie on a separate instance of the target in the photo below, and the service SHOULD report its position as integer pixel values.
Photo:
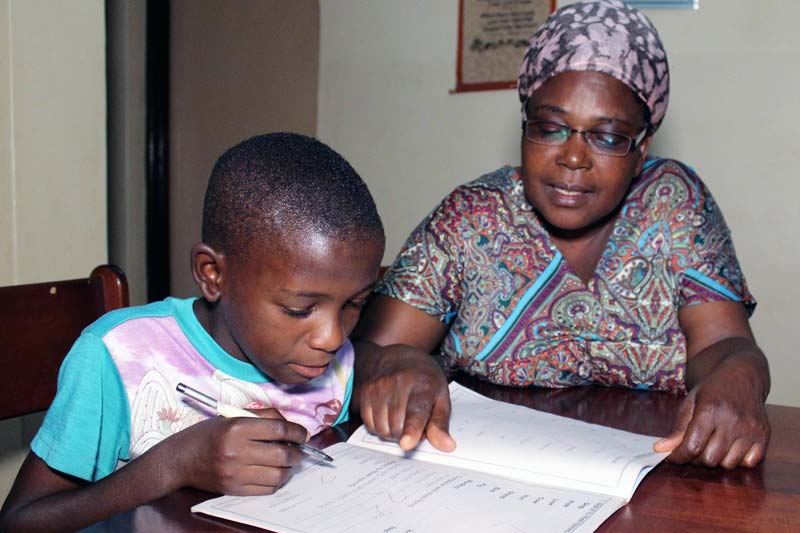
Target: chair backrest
(38, 325)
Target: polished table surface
(671, 498)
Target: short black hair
(282, 182)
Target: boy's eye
(298, 313)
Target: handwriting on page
(370, 491)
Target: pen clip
(197, 396)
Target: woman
(591, 263)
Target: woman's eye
(548, 129)
(608, 139)
(298, 313)
(356, 304)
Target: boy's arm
(227, 456)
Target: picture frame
(492, 38)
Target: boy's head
(292, 243)
(280, 182)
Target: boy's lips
(309, 372)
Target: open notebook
(515, 469)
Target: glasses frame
(633, 142)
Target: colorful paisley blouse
(518, 313)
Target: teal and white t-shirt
(116, 388)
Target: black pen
(229, 411)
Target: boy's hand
(406, 399)
(230, 455)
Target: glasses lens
(605, 142)
(546, 132)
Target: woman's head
(603, 36)
(594, 87)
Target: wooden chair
(38, 325)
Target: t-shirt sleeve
(427, 272)
(87, 428)
(713, 273)
(344, 414)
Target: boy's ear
(208, 267)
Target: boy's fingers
(270, 412)
(268, 429)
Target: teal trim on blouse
(709, 283)
(521, 306)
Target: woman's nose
(329, 334)
(575, 153)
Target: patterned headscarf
(604, 36)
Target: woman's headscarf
(604, 36)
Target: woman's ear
(208, 268)
(641, 153)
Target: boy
(291, 248)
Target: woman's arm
(400, 390)
(220, 455)
(723, 420)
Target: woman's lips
(309, 372)
(567, 195)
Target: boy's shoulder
(170, 307)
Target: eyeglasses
(601, 142)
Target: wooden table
(671, 498)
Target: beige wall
(386, 68)
(52, 157)
(239, 68)
(126, 49)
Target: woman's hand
(722, 421)
(405, 397)
(234, 455)
(400, 390)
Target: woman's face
(573, 188)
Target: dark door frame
(157, 142)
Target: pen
(229, 411)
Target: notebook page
(368, 491)
(520, 443)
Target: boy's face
(289, 309)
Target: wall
(126, 20)
(52, 157)
(226, 89)
(386, 68)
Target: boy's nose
(329, 335)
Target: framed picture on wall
(664, 4)
(492, 38)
